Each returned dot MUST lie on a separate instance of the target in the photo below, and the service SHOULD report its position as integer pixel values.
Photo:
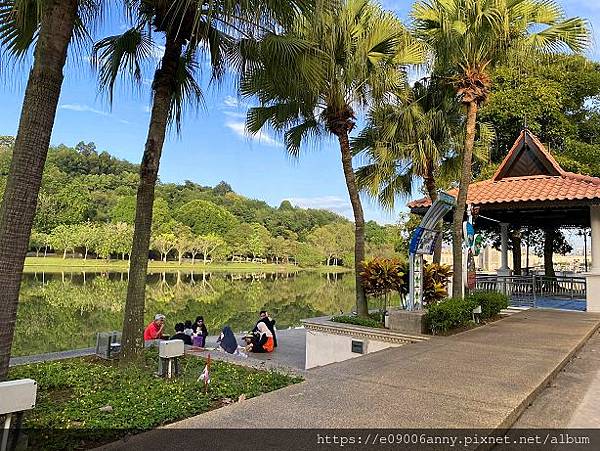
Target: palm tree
(51, 26)
(410, 139)
(189, 27)
(337, 62)
(468, 38)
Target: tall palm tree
(346, 59)
(409, 139)
(50, 26)
(189, 27)
(467, 39)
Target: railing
(525, 290)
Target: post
(593, 277)
(504, 271)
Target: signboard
(423, 242)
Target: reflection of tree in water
(55, 315)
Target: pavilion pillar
(593, 277)
(504, 269)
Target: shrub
(380, 276)
(435, 282)
(491, 302)
(371, 321)
(449, 314)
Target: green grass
(374, 320)
(71, 392)
(57, 263)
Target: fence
(525, 290)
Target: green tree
(184, 241)
(468, 38)
(557, 101)
(63, 238)
(258, 240)
(164, 243)
(39, 241)
(205, 217)
(85, 236)
(341, 60)
(207, 245)
(51, 26)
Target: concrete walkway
(571, 400)
(289, 356)
(483, 378)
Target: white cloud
(82, 109)
(240, 130)
(88, 109)
(232, 102)
(157, 52)
(332, 203)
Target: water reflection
(65, 310)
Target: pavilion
(530, 189)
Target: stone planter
(407, 322)
(328, 342)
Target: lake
(64, 310)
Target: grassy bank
(71, 394)
(58, 264)
(33, 264)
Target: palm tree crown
(467, 38)
(311, 79)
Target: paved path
(289, 355)
(571, 400)
(60, 355)
(483, 378)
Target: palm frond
(122, 56)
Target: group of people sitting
(192, 334)
(262, 338)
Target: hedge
(453, 313)
(372, 321)
(449, 314)
(491, 302)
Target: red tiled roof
(534, 188)
(528, 189)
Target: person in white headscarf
(262, 340)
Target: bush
(435, 282)
(491, 302)
(449, 314)
(372, 321)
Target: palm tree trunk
(163, 86)
(359, 222)
(29, 156)
(461, 202)
(431, 188)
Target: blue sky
(212, 146)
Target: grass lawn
(58, 263)
(71, 393)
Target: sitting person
(263, 340)
(181, 335)
(228, 343)
(154, 330)
(264, 318)
(200, 332)
(188, 328)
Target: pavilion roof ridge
(512, 154)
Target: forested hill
(83, 184)
(84, 187)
